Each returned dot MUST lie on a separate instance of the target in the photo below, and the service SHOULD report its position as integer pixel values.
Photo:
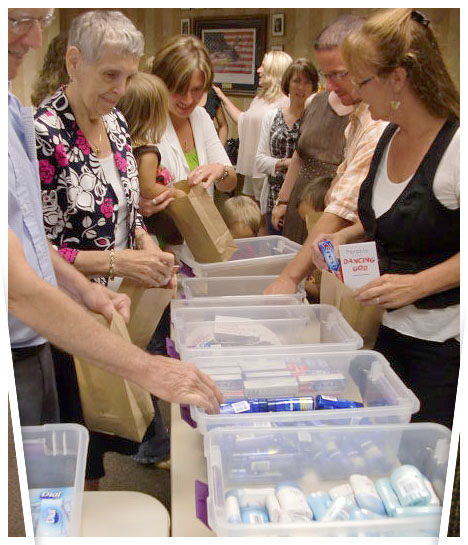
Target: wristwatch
(279, 201)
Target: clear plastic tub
(232, 286)
(257, 256)
(364, 376)
(224, 331)
(55, 458)
(317, 459)
(235, 301)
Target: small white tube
(434, 498)
(232, 510)
(346, 491)
(291, 499)
(366, 494)
(338, 510)
(273, 508)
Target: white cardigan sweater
(208, 145)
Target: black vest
(418, 231)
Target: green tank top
(192, 159)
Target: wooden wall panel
(301, 27)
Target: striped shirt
(362, 135)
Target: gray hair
(91, 31)
(333, 35)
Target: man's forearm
(68, 277)
(302, 266)
(64, 322)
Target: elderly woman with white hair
(90, 190)
(89, 176)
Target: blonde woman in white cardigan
(190, 147)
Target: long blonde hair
(404, 37)
(275, 64)
(145, 107)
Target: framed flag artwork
(236, 49)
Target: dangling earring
(395, 104)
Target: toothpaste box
(277, 387)
(314, 367)
(333, 382)
(359, 263)
(264, 364)
(212, 371)
(267, 374)
(330, 258)
(230, 384)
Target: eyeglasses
(21, 26)
(336, 76)
(358, 84)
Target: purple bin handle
(201, 493)
(185, 270)
(171, 350)
(185, 415)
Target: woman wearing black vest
(409, 203)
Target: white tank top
(112, 176)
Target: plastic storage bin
(224, 331)
(235, 301)
(255, 256)
(232, 286)
(55, 458)
(317, 459)
(364, 376)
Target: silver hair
(92, 31)
(333, 35)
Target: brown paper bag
(363, 319)
(147, 307)
(201, 225)
(110, 403)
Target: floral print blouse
(80, 207)
(282, 145)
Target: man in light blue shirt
(37, 309)
(33, 366)
(25, 208)
(30, 351)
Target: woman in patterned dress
(88, 172)
(279, 133)
(89, 182)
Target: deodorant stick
(292, 500)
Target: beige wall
(301, 27)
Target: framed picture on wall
(278, 47)
(277, 24)
(236, 48)
(185, 26)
